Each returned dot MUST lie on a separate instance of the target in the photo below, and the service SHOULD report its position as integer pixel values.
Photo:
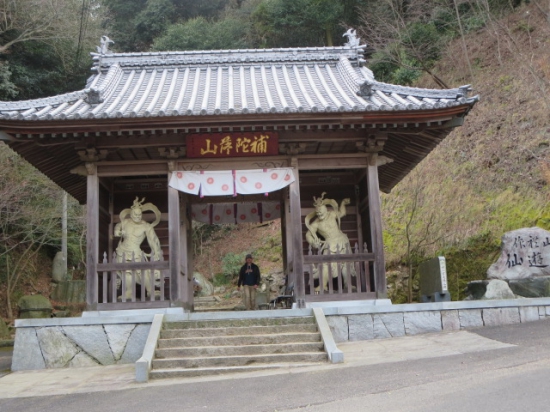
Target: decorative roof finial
(104, 48)
(93, 96)
(353, 40)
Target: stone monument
(522, 269)
(59, 268)
(525, 253)
(433, 280)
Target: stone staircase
(200, 348)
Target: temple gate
(145, 120)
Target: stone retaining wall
(109, 338)
(77, 342)
(379, 322)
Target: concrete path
(120, 377)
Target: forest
(487, 177)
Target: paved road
(509, 378)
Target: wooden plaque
(221, 145)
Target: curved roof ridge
(43, 101)
(354, 78)
(240, 56)
(110, 81)
(453, 93)
(347, 49)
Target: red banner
(232, 144)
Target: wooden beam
(330, 161)
(260, 162)
(134, 168)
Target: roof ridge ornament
(104, 48)
(93, 96)
(353, 40)
(465, 90)
(365, 89)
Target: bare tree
(23, 20)
(30, 210)
(416, 225)
(396, 30)
(511, 40)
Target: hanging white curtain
(186, 182)
(228, 182)
(249, 182)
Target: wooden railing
(344, 276)
(131, 284)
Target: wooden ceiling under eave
(52, 147)
(406, 150)
(56, 163)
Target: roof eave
(37, 127)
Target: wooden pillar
(359, 224)
(110, 246)
(287, 231)
(190, 252)
(64, 234)
(176, 298)
(186, 261)
(92, 236)
(296, 233)
(375, 214)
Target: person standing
(249, 278)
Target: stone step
(206, 303)
(231, 331)
(201, 299)
(238, 350)
(238, 360)
(220, 323)
(239, 340)
(188, 373)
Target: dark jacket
(249, 277)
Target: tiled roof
(231, 82)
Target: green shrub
(470, 262)
(232, 263)
(221, 279)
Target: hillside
(491, 175)
(263, 241)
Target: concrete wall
(354, 323)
